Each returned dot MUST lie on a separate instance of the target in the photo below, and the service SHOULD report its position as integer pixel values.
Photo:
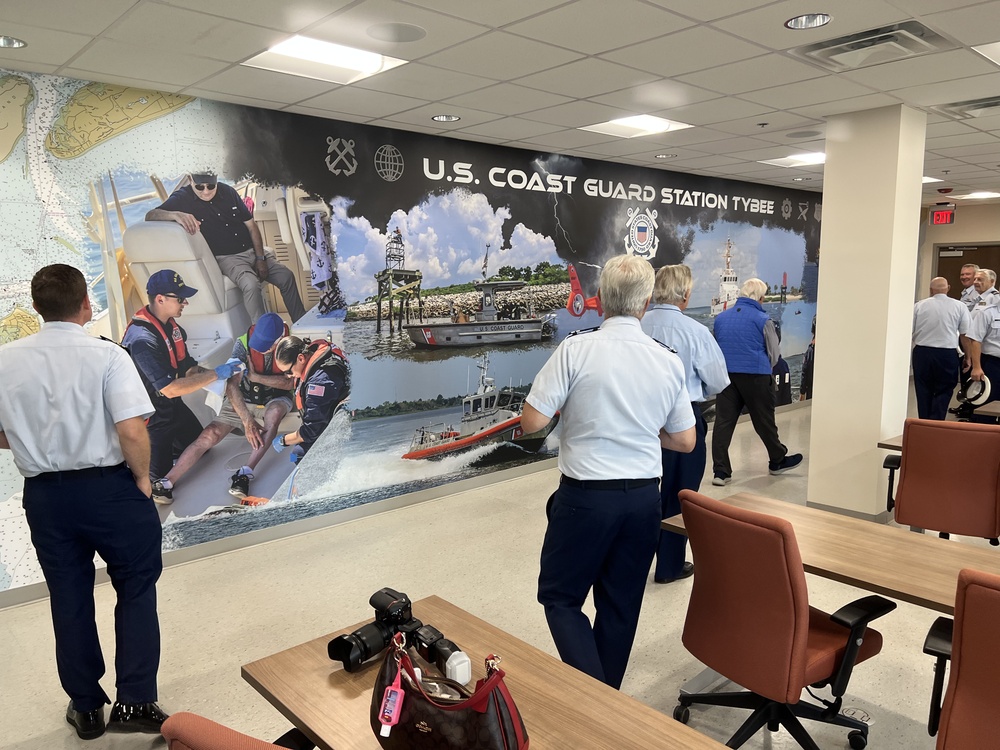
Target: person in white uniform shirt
(938, 321)
(705, 375)
(983, 347)
(72, 411)
(967, 277)
(985, 285)
(622, 397)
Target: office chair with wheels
(949, 478)
(968, 720)
(187, 731)
(749, 619)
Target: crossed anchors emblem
(345, 161)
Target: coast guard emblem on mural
(641, 239)
(340, 159)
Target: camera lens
(358, 647)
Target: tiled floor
(478, 549)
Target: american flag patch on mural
(316, 390)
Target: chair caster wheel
(857, 740)
(994, 542)
(682, 714)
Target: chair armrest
(938, 644)
(856, 616)
(892, 462)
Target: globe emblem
(389, 163)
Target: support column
(867, 269)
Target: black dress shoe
(136, 717)
(687, 570)
(89, 724)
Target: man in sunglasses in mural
(217, 211)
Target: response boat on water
(729, 289)
(495, 322)
(488, 416)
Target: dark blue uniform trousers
(72, 515)
(991, 368)
(605, 540)
(935, 375)
(681, 471)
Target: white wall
(974, 225)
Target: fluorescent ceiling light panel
(323, 61)
(990, 51)
(798, 160)
(925, 180)
(982, 195)
(636, 126)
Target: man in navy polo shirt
(217, 211)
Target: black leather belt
(93, 471)
(608, 484)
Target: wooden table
(991, 409)
(892, 444)
(561, 707)
(888, 560)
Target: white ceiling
(528, 73)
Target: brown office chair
(186, 731)
(749, 619)
(968, 719)
(949, 478)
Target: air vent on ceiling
(899, 41)
(988, 107)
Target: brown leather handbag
(446, 717)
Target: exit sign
(943, 215)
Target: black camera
(393, 614)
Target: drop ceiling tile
(576, 114)
(977, 24)
(489, 13)
(510, 129)
(589, 77)
(656, 97)
(81, 16)
(459, 135)
(773, 123)
(965, 139)
(926, 7)
(362, 102)
(685, 52)
(324, 114)
(748, 168)
(982, 151)
(44, 46)
(27, 68)
(817, 91)
(289, 15)
(628, 147)
(687, 137)
(708, 11)
(432, 84)
(139, 83)
(185, 32)
(246, 101)
(705, 162)
(843, 106)
(564, 139)
(951, 91)
(422, 116)
(351, 26)
(719, 110)
(594, 26)
(397, 125)
(943, 66)
(950, 127)
(750, 75)
(508, 99)
(649, 155)
(264, 84)
(501, 57)
(104, 58)
(733, 145)
(766, 25)
(772, 152)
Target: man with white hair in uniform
(967, 277)
(705, 376)
(938, 321)
(622, 397)
(986, 287)
(983, 349)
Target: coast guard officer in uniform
(986, 289)
(938, 321)
(72, 411)
(983, 349)
(967, 277)
(705, 375)
(622, 397)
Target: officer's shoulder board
(582, 330)
(111, 341)
(665, 346)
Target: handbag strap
(479, 701)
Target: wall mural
(505, 247)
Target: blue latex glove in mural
(296, 454)
(277, 444)
(227, 370)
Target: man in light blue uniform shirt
(621, 397)
(967, 277)
(938, 321)
(705, 375)
(986, 288)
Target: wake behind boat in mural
(488, 416)
(495, 322)
(729, 288)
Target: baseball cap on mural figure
(268, 329)
(169, 282)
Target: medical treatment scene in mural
(419, 283)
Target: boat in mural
(497, 321)
(729, 288)
(489, 415)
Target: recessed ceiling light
(324, 61)
(982, 195)
(925, 180)
(636, 126)
(665, 156)
(990, 51)
(808, 21)
(799, 160)
(10, 42)
(801, 179)
(396, 32)
(446, 118)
